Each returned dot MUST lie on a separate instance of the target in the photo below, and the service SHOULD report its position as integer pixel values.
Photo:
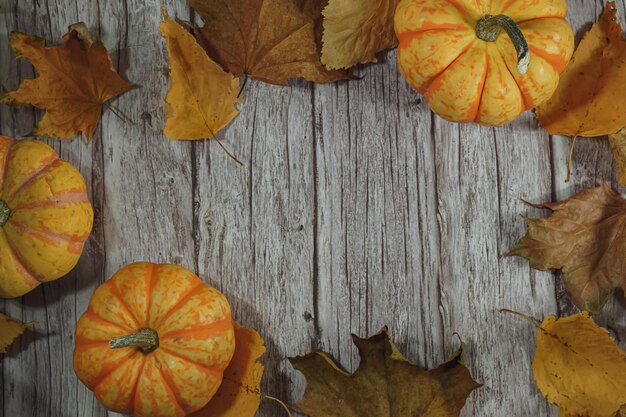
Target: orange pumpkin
(154, 342)
(45, 216)
(483, 60)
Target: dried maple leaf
(202, 97)
(75, 80)
(9, 330)
(618, 147)
(240, 394)
(356, 30)
(589, 100)
(385, 385)
(579, 367)
(585, 237)
(270, 40)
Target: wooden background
(356, 207)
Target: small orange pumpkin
(454, 53)
(154, 342)
(45, 216)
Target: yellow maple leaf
(9, 330)
(579, 367)
(356, 30)
(202, 97)
(240, 393)
(384, 385)
(589, 100)
(75, 80)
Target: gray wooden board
(355, 208)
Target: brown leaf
(9, 330)
(356, 30)
(385, 385)
(240, 394)
(270, 40)
(202, 97)
(579, 367)
(75, 80)
(618, 147)
(585, 237)
(589, 100)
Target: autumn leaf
(589, 100)
(240, 394)
(356, 30)
(75, 80)
(9, 330)
(618, 147)
(202, 97)
(585, 237)
(269, 40)
(579, 367)
(385, 385)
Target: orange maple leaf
(269, 40)
(75, 80)
(585, 236)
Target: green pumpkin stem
(5, 213)
(488, 29)
(145, 339)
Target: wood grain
(356, 208)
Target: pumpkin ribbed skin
(464, 78)
(50, 216)
(196, 341)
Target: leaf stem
(227, 152)
(245, 81)
(118, 113)
(524, 316)
(282, 404)
(569, 159)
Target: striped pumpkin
(45, 216)
(155, 341)
(483, 60)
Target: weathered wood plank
(255, 224)
(376, 220)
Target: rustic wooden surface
(355, 208)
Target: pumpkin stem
(145, 339)
(5, 213)
(488, 29)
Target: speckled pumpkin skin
(466, 79)
(51, 216)
(196, 341)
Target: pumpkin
(154, 341)
(483, 60)
(45, 216)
